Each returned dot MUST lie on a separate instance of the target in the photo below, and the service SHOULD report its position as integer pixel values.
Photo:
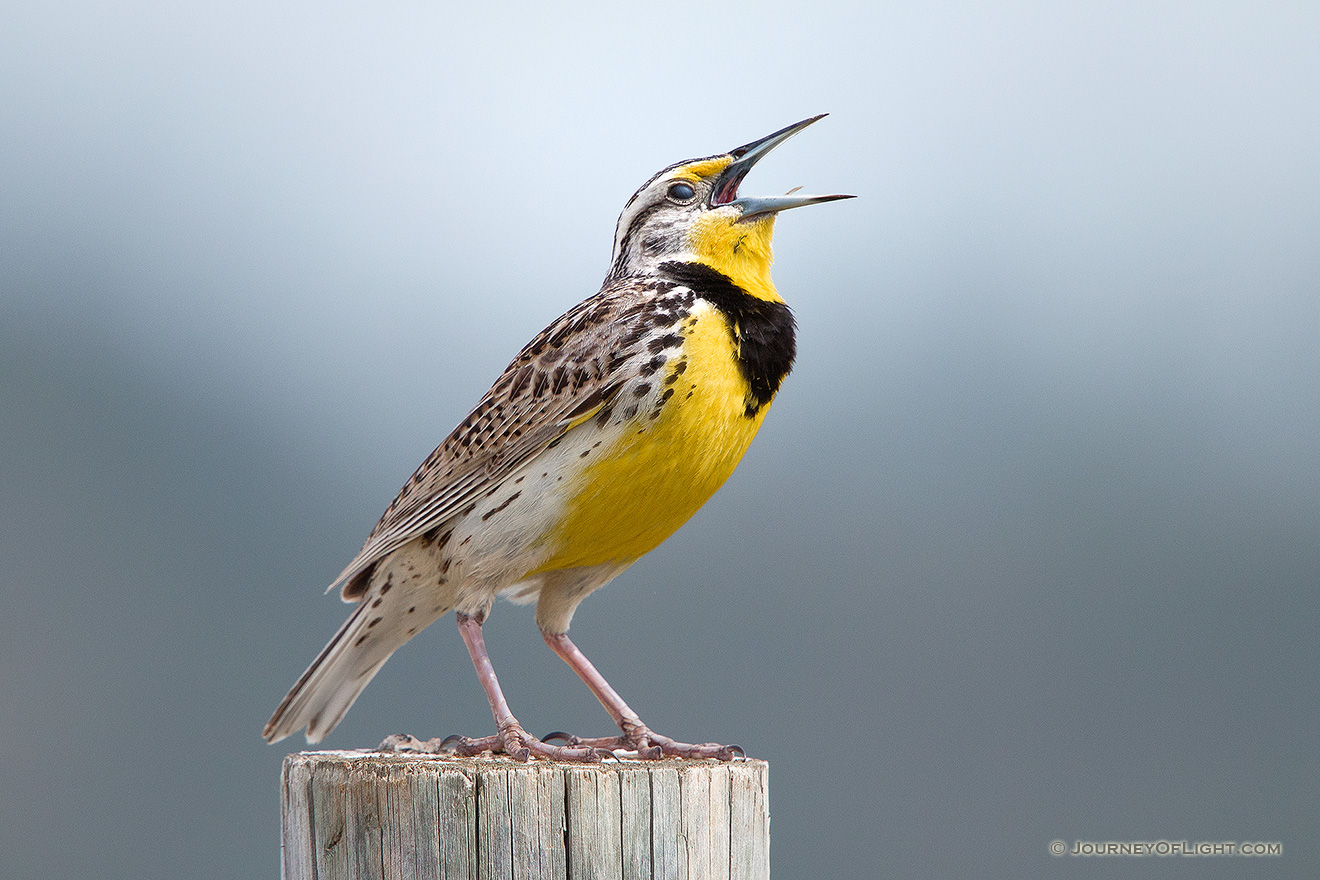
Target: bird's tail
(328, 688)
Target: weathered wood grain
(377, 815)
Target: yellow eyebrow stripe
(705, 168)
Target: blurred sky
(1027, 549)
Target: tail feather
(344, 667)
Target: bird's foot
(512, 741)
(650, 745)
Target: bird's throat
(737, 249)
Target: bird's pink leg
(636, 735)
(511, 739)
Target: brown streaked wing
(561, 378)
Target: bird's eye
(681, 192)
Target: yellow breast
(660, 472)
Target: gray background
(1027, 549)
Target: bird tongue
(727, 190)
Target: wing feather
(562, 378)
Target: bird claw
(567, 739)
(450, 744)
(514, 742)
(651, 746)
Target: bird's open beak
(725, 191)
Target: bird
(607, 432)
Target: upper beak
(725, 191)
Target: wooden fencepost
(364, 814)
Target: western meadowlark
(605, 434)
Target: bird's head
(691, 212)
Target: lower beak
(754, 206)
(725, 191)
